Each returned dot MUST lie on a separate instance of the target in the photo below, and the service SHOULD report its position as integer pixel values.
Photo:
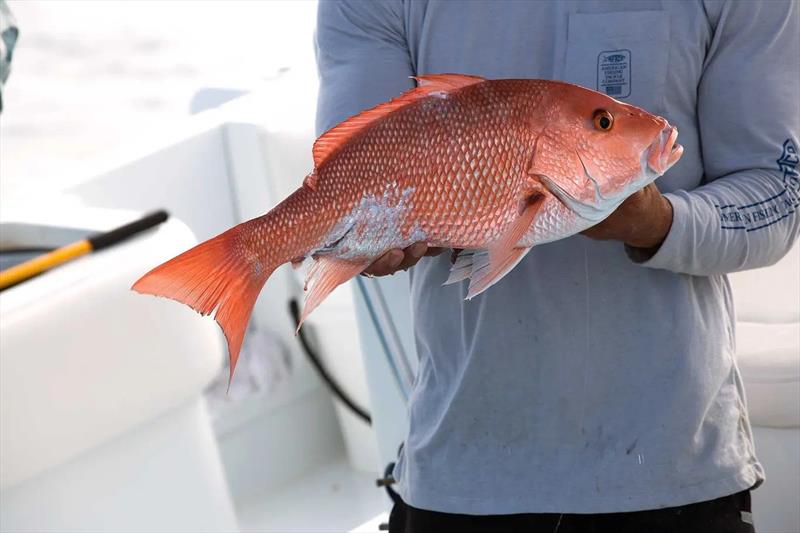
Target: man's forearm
(736, 223)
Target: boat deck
(332, 498)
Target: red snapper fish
(492, 167)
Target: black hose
(335, 388)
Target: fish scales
(462, 171)
(460, 158)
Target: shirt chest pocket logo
(624, 55)
(614, 73)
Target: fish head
(593, 151)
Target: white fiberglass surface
(331, 498)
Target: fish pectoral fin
(503, 255)
(531, 192)
(324, 275)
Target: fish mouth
(663, 151)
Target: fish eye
(603, 120)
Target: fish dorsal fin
(441, 84)
(446, 82)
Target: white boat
(113, 411)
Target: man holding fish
(594, 388)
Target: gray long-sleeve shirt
(590, 379)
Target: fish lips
(663, 151)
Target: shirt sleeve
(745, 214)
(362, 58)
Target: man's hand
(398, 259)
(641, 221)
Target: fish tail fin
(218, 274)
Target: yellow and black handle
(37, 265)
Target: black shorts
(729, 514)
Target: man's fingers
(386, 264)
(417, 250)
(397, 259)
(642, 220)
(596, 232)
(412, 255)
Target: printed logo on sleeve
(614, 73)
(787, 163)
(764, 213)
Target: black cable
(335, 388)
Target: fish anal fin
(334, 138)
(504, 253)
(326, 274)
